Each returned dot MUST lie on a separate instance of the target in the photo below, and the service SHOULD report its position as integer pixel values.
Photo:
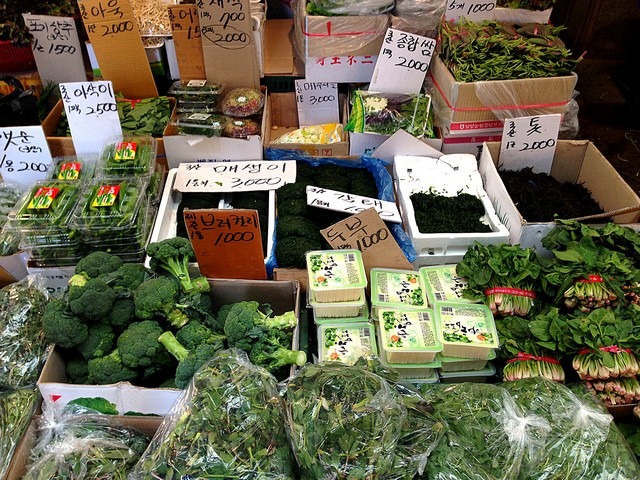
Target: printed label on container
(43, 198)
(106, 196)
(70, 171)
(466, 325)
(400, 288)
(199, 116)
(125, 151)
(408, 331)
(335, 269)
(196, 83)
(445, 283)
(345, 344)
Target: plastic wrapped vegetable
(16, 409)
(316, 134)
(241, 128)
(23, 348)
(343, 422)
(242, 102)
(228, 423)
(386, 113)
(9, 239)
(81, 444)
(348, 7)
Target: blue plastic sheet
(378, 170)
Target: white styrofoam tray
(448, 175)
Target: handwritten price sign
(24, 154)
(317, 102)
(404, 56)
(474, 10)
(529, 142)
(349, 203)
(92, 113)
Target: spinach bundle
(228, 423)
(16, 409)
(23, 348)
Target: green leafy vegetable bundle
(147, 116)
(16, 409)
(23, 348)
(386, 113)
(129, 155)
(505, 277)
(461, 213)
(9, 239)
(229, 423)
(348, 7)
(498, 51)
(526, 4)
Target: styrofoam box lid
(472, 321)
(346, 342)
(397, 288)
(408, 331)
(335, 270)
(487, 371)
(443, 283)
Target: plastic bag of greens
(23, 349)
(83, 444)
(348, 7)
(489, 437)
(228, 423)
(386, 113)
(16, 408)
(343, 422)
(577, 428)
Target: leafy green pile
(129, 156)
(148, 116)
(348, 7)
(526, 4)
(229, 423)
(16, 409)
(9, 239)
(461, 213)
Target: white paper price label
(474, 10)
(352, 204)
(234, 176)
(92, 113)
(529, 142)
(24, 154)
(56, 48)
(317, 102)
(403, 62)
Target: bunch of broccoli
(112, 314)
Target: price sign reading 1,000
(368, 241)
(234, 237)
(22, 166)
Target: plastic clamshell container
(336, 275)
(131, 155)
(200, 123)
(47, 204)
(345, 343)
(196, 90)
(362, 317)
(443, 284)
(456, 364)
(466, 330)
(189, 106)
(73, 168)
(433, 377)
(473, 376)
(338, 309)
(391, 288)
(408, 336)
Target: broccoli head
(173, 255)
(138, 344)
(195, 333)
(61, 326)
(98, 263)
(77, 370)
(99, 342)
(109, 369)
(296, 226)
(271, 352)
(159, 296)
(291, 251)
(93, 301)
(122, 313)
(127, 278)
(189, 360)
(293, 206)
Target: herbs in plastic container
(196, 91)
(72, 168)
(228, 423)
(128, 156)
(242, 102)
(16, 409)
(241, 128)
(198, 123)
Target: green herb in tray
(49, 203)
(134, 156)
(196, 91)
(435, 213)
(200, 124)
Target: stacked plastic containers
(198, 108)
(42, 216)
(337, 282)
(406, 327)
(466, 329)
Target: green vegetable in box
(199, 123)
(526, 4)
(348, 7)
(47, 204)
(16, 409)
(386, 113)
(147, 116)
(9, 238)
(129, 155)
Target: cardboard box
(283, 118)
(496, 99)
(356, 38)
(63, 146)
(13, 268)
(196, 148)
(22, 454)
(279, 55)
(467, 142)
(575, 161)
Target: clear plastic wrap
(418, 16)
(242, 102)
(343, 422)
(314, 134)
(82, 444)
(349, 7)
(228, 423)
(23, 348)
(16, 409)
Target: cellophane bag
(228, 423)
(16, 409)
